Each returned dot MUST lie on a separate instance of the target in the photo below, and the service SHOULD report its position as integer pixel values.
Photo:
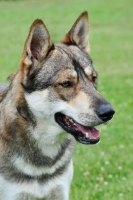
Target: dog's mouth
(83, 134)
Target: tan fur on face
(80, 101)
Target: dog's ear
(36, 48)
(79, 33)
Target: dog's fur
(35, 151)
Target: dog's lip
(83, 134)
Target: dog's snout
(105, 112)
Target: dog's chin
(83, 134)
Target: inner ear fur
(79, 33)
(36, 48)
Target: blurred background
(104, 171)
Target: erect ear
(79, 33)
(36, 48)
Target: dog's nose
(105, 112)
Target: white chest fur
(37, 190)
(50, 144)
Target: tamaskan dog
(51, 103)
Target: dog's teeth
(71, 120)
(87, 135)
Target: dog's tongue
(89, 132)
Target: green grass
(104, 171)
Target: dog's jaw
(83, 134)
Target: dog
(2, 87)
(51, 103)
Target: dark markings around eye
(66, 84)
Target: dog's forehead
(72, 55)
(58, 63)
(65, 60)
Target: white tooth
(71, 120)
(87, 135)
(74, 124)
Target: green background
(104, 171)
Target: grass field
(104, 171)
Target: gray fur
(3, 87)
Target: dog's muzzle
(85, 134)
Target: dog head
(60, 81)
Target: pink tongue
(92, 132)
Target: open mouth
(83, 134)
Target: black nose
(105, 112)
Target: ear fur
(79, 33)
(36, 48)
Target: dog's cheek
(38, 103)
(65, 94)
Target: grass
(104, 171)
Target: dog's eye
(66, 84)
